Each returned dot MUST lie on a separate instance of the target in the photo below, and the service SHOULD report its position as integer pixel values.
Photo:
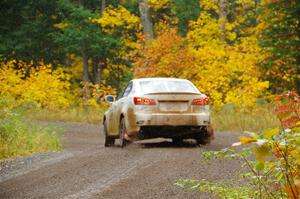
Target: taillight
(201, 101)
(143, 101)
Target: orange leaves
(288, 109)
(293, 191)
(166, 56)
(291, 122)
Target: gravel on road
(86, 169)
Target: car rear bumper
(173, 119)
(168, 119)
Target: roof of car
(159, 78)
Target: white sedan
(158, 107)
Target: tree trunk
(145, 18)
(85, 62)
(85, 58)
(97, 70)
(103, 6)
(223, 17)
(80, 3)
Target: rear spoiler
(171, 93)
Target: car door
(118, 107)
(111, 115)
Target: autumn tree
(279, 39)
(219, 62)
(185, 11)
(119, 23)
(166, 56)
(226, 62)
(82, 37)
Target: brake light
(143, 101)
(201, 101)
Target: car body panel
(171, 108)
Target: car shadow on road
(168, 144)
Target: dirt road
(85, 169)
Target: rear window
(167, 86)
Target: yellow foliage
(271, 132)
(224, 68)
(41, 85)
(247, 140)
(62, 25)
(158, 4)
(210, 5)
(113, 18)
(121, 22)
(96, 95)
(227, 72)
(262, 152)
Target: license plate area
(171, 106)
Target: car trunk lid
(173, 102)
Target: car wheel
(122, 132)
(109, 141)
(204, 137)
(202, 140)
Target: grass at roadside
(257, 119)
(75, 114)
(19, 136)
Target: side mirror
(109, 98)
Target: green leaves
(220, 189)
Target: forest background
(59, 58)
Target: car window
(128, 90)
(125, 92)
(120, 95)
(167, 86)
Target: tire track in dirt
(141, 170)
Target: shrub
(275, 170)
(50, 94)
(41, 86)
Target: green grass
(75, 114)
(19, 136)
(257, 119)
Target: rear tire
(202, 140)
(122, 132)
(109, 141)
(205, 136)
